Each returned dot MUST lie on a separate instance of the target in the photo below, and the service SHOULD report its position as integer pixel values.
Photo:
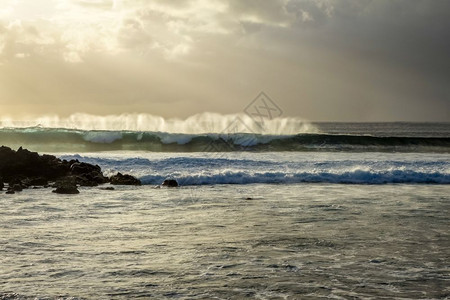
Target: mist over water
(197, 124)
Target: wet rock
(170, 183)
(16, 180)
(376, 261)
(16, 188)
(26, 164)
(64, 181)
(109, 188)
(36, 181)
(66, 188)
(31, 169)
(13, 188)
(87, 174)
(91, 179)
(78, 168)
(124, 179)
(2, 185)
(86, 181)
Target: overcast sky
(322, 60)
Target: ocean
(325, 211)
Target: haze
(322, 60)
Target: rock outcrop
(22, 164)
(66, 189)
(66, 185)
(170, 183)
(124, 179)
(23, 169)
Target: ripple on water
(290, 241)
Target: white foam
(102, 137)
(246, 168)
(199, 123)
(180, 139)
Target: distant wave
(71, 140)
(197, 124)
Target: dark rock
(26, 164)
(16, 188)
(78, 168)
(66, 190)
(30, 169)
(66, 187)
(88, 175)
(36, 181)
(124, 179)
(2, 185)
(376, 261)
(109, 188)
(13, 188)
(91, 179)
(65, 181)
(15, 180)
(85, 181)
(170, 183)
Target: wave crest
(71, 140)
(197, 124)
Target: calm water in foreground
(263, 241)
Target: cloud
(18, 39)
(318, 56)
(78, 27)
(263, 12)
(100, 4)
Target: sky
(321, 60)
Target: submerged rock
(16, 188)
(66, 189)
(124, 179)
(66, 185)
(170, 183)
(109, 188)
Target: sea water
(335, 223)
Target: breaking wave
(197, 124)
(72, 140)
(354, 177)
(206, 132)
(279, 168)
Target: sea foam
(278, 167)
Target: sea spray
(74, 140)
(196, 124)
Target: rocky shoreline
(23, 169)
